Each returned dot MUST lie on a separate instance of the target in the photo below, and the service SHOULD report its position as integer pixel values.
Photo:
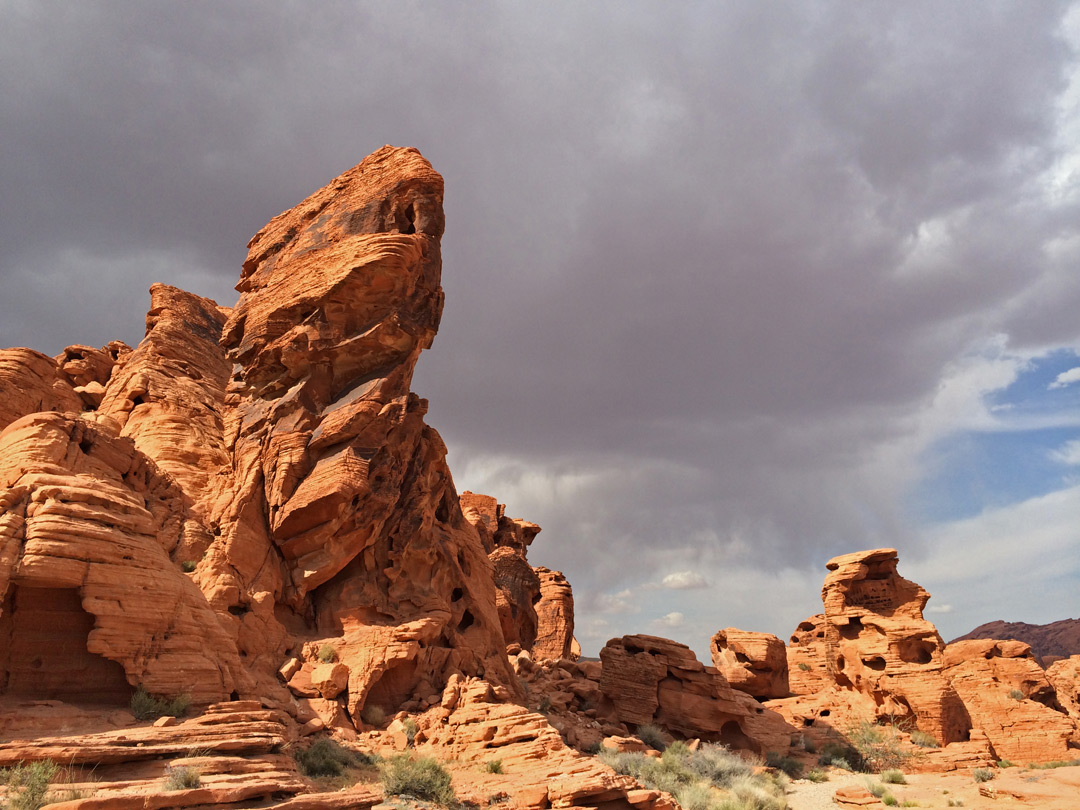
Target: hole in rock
(915, 651)
(43, 653)
(85, 445)
(234, 695)
(456, 595)
(466, 622)
(852, 629)
(238, 610)
(808, 721)
(876, 663)
(742, 658)
(806, 627)
(137, 400)
(394, 687)
(823, 713)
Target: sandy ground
(1053, 789)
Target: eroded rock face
(877, 642)
(276, 449)
(554, 617)
(808, 670)
(754, 663)
(656, 680)
(1010, 698)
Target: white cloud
(616, 602)
(939, 609)
(1066, 378)
(684, 580)
(1017, 563)
(1068, 453)
(669, 621)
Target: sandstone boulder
(754, 663)
(554, 617)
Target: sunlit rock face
(252, 485)
(878, 643)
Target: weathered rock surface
(808, 670)
(877, 642)
(754, 663)
(1064, 676)
(554, 617)
(1009, 697)
(654, 680)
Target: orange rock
(754, 663)
(654, 680)
(808, 670)
(877, 642)
(1010, 698)
(1064, 676)
(554, 617)
(30, 382)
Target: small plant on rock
(27, 784)
(493, 766)
(373, 715)
(411, 730)
(423, 778)
(982, 774)
(923, 739)
(816, 775)
(652, 736)
(327, 654)
(1016, 694)
(893, 776)
(878, 747)
(327, 758)
(181, 777)
(187, 566)
(150, 707)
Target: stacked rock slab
(754, 663)
(878, 643)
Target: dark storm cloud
(705, 264)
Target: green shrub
(411, 730)
(889, 800)
(909, 803)
(893, 776)
(696, 796)
(1059, 763)
(327, 758)
(804, 666)
(493, 766)
(879, 747)
(327, 654)
(982, 774)
(753, 793)
(808, 745)
(27, 784)
(924, 739)
(545, 705)
(1016, 694)
(876, 788)
(1005, 763)
(181, 777)
(150, 707)
(956, 803)
(373, 715)
(719, 765)
(423, 778)
(187, 566)
(652, 736)
(791, 767)
(816, 775)
(840, 755)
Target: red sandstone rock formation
(754, 663)
(808, 670)
(1064, 676)
(1009, 697)
(877, 642)
(554, 617)
(654, 680)
(274, 448)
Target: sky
(731, 288)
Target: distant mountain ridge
(1057, 639)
